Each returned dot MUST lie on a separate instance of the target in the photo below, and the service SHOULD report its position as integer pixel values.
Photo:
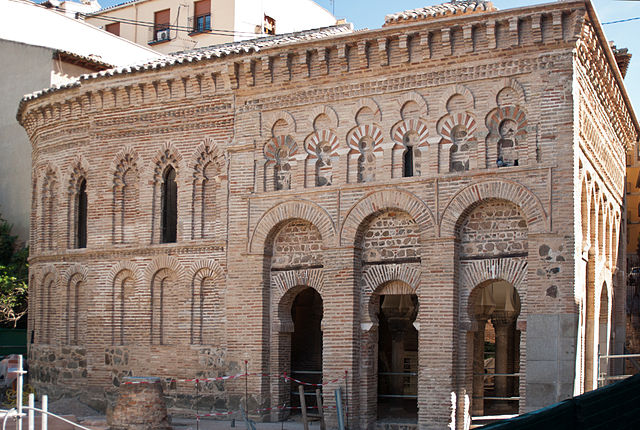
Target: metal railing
(17, 413)
(603, 375)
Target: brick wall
(249, 238)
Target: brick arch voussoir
(123, 267)
(164, 262)
(75, 269)
(381, 200)
(414, 96)
(465, 199)
(293, 209)
(206, 268)
(269, 119)
(326, 110)
(369, 102)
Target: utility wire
(621, 20)
(176, 27)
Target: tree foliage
(14, 273)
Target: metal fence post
(19, 392)
(338, 394)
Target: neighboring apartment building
(172, 25)
(61, 49)
(426, 215)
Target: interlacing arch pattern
(208, 170)
(77, 175)
(125, 195)
(167, 157)
(207, 301)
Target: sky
(370, 14)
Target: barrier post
(45, 409)
(32, 401)
(19, 392)
(338, 394)
(303, 407)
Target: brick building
(417, 206)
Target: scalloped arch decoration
(465, 199)
(167, 155)
(206, 152)
(385, 199)
(401, 128)
(515, 113)
(357, 133)
(293, 209)
(314, 139)
(448, 122)
(273, 145)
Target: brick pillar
(437, 317)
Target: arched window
(81, 215)
(169, 206)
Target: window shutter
(113, 28)
(163, 17)
(202, 7)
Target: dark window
(169, 206)
(81, 216)
(113, 28)
(638, 180)
(408, 162)
(161, 25)
(202, 16)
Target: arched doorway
(495, 306)
(397, 360)
(306, 344)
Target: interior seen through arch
(306, 344)
(495, 305)
(397, 357)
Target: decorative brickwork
(327, 188)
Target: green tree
(14, 273)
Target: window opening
(169, 206)
(202, 16)
(408, 162)
(161, 26)
(81, 216)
